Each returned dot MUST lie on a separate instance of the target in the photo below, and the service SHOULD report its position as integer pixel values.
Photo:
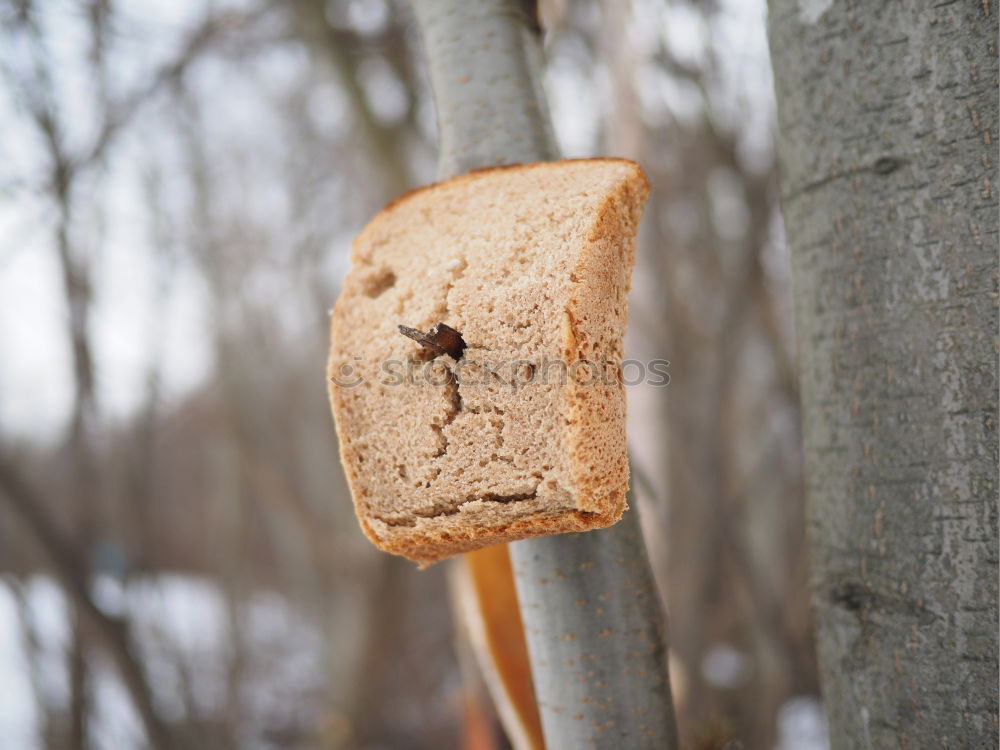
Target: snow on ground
(802, 725)
(187, 636)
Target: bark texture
(888, 132)
(593, 622)
(596, 635)
(484, 62)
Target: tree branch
(484, 60)
(593, 622)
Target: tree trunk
(888, 132)
(592, 617)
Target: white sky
(35, 368)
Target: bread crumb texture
(525, 434)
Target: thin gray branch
(484, 62)
(593, 622)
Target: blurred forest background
(179, 184)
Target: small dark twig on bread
(440, 339)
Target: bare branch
(592, 616)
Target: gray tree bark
(888, 130)
(593, 622)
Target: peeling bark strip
(888, 130)
(592, 617)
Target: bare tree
(67, 168)
(711, 294)
(234, 487)
(888, 131)
(69, 565)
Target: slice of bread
(524, 434)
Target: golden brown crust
(528, 261)
(429, 546)
(501, 167)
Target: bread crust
(567, 468)
(516, 166)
